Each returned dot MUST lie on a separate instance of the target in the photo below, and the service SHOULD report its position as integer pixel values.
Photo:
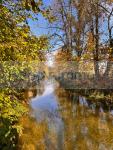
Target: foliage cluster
(18, 48)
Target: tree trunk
(96, 52)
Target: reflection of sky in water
(81, 121)
(45, 106)
(46, 102)
(83, 101)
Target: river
(58, 122)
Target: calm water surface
(64, 123)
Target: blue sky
(36, 26)
(39, 27)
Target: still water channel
(58, 122)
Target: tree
(76, 20)
(18, 47)
(70, 24)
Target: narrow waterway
(58, 122)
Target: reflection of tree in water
(33, 135)
(71, 122)
(33, 91)
(40, 88)
(85, 127)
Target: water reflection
(89, 128)
(45, 108)
(82, 101)
(72, 122)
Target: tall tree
(70, 24)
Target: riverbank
(94, 93)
